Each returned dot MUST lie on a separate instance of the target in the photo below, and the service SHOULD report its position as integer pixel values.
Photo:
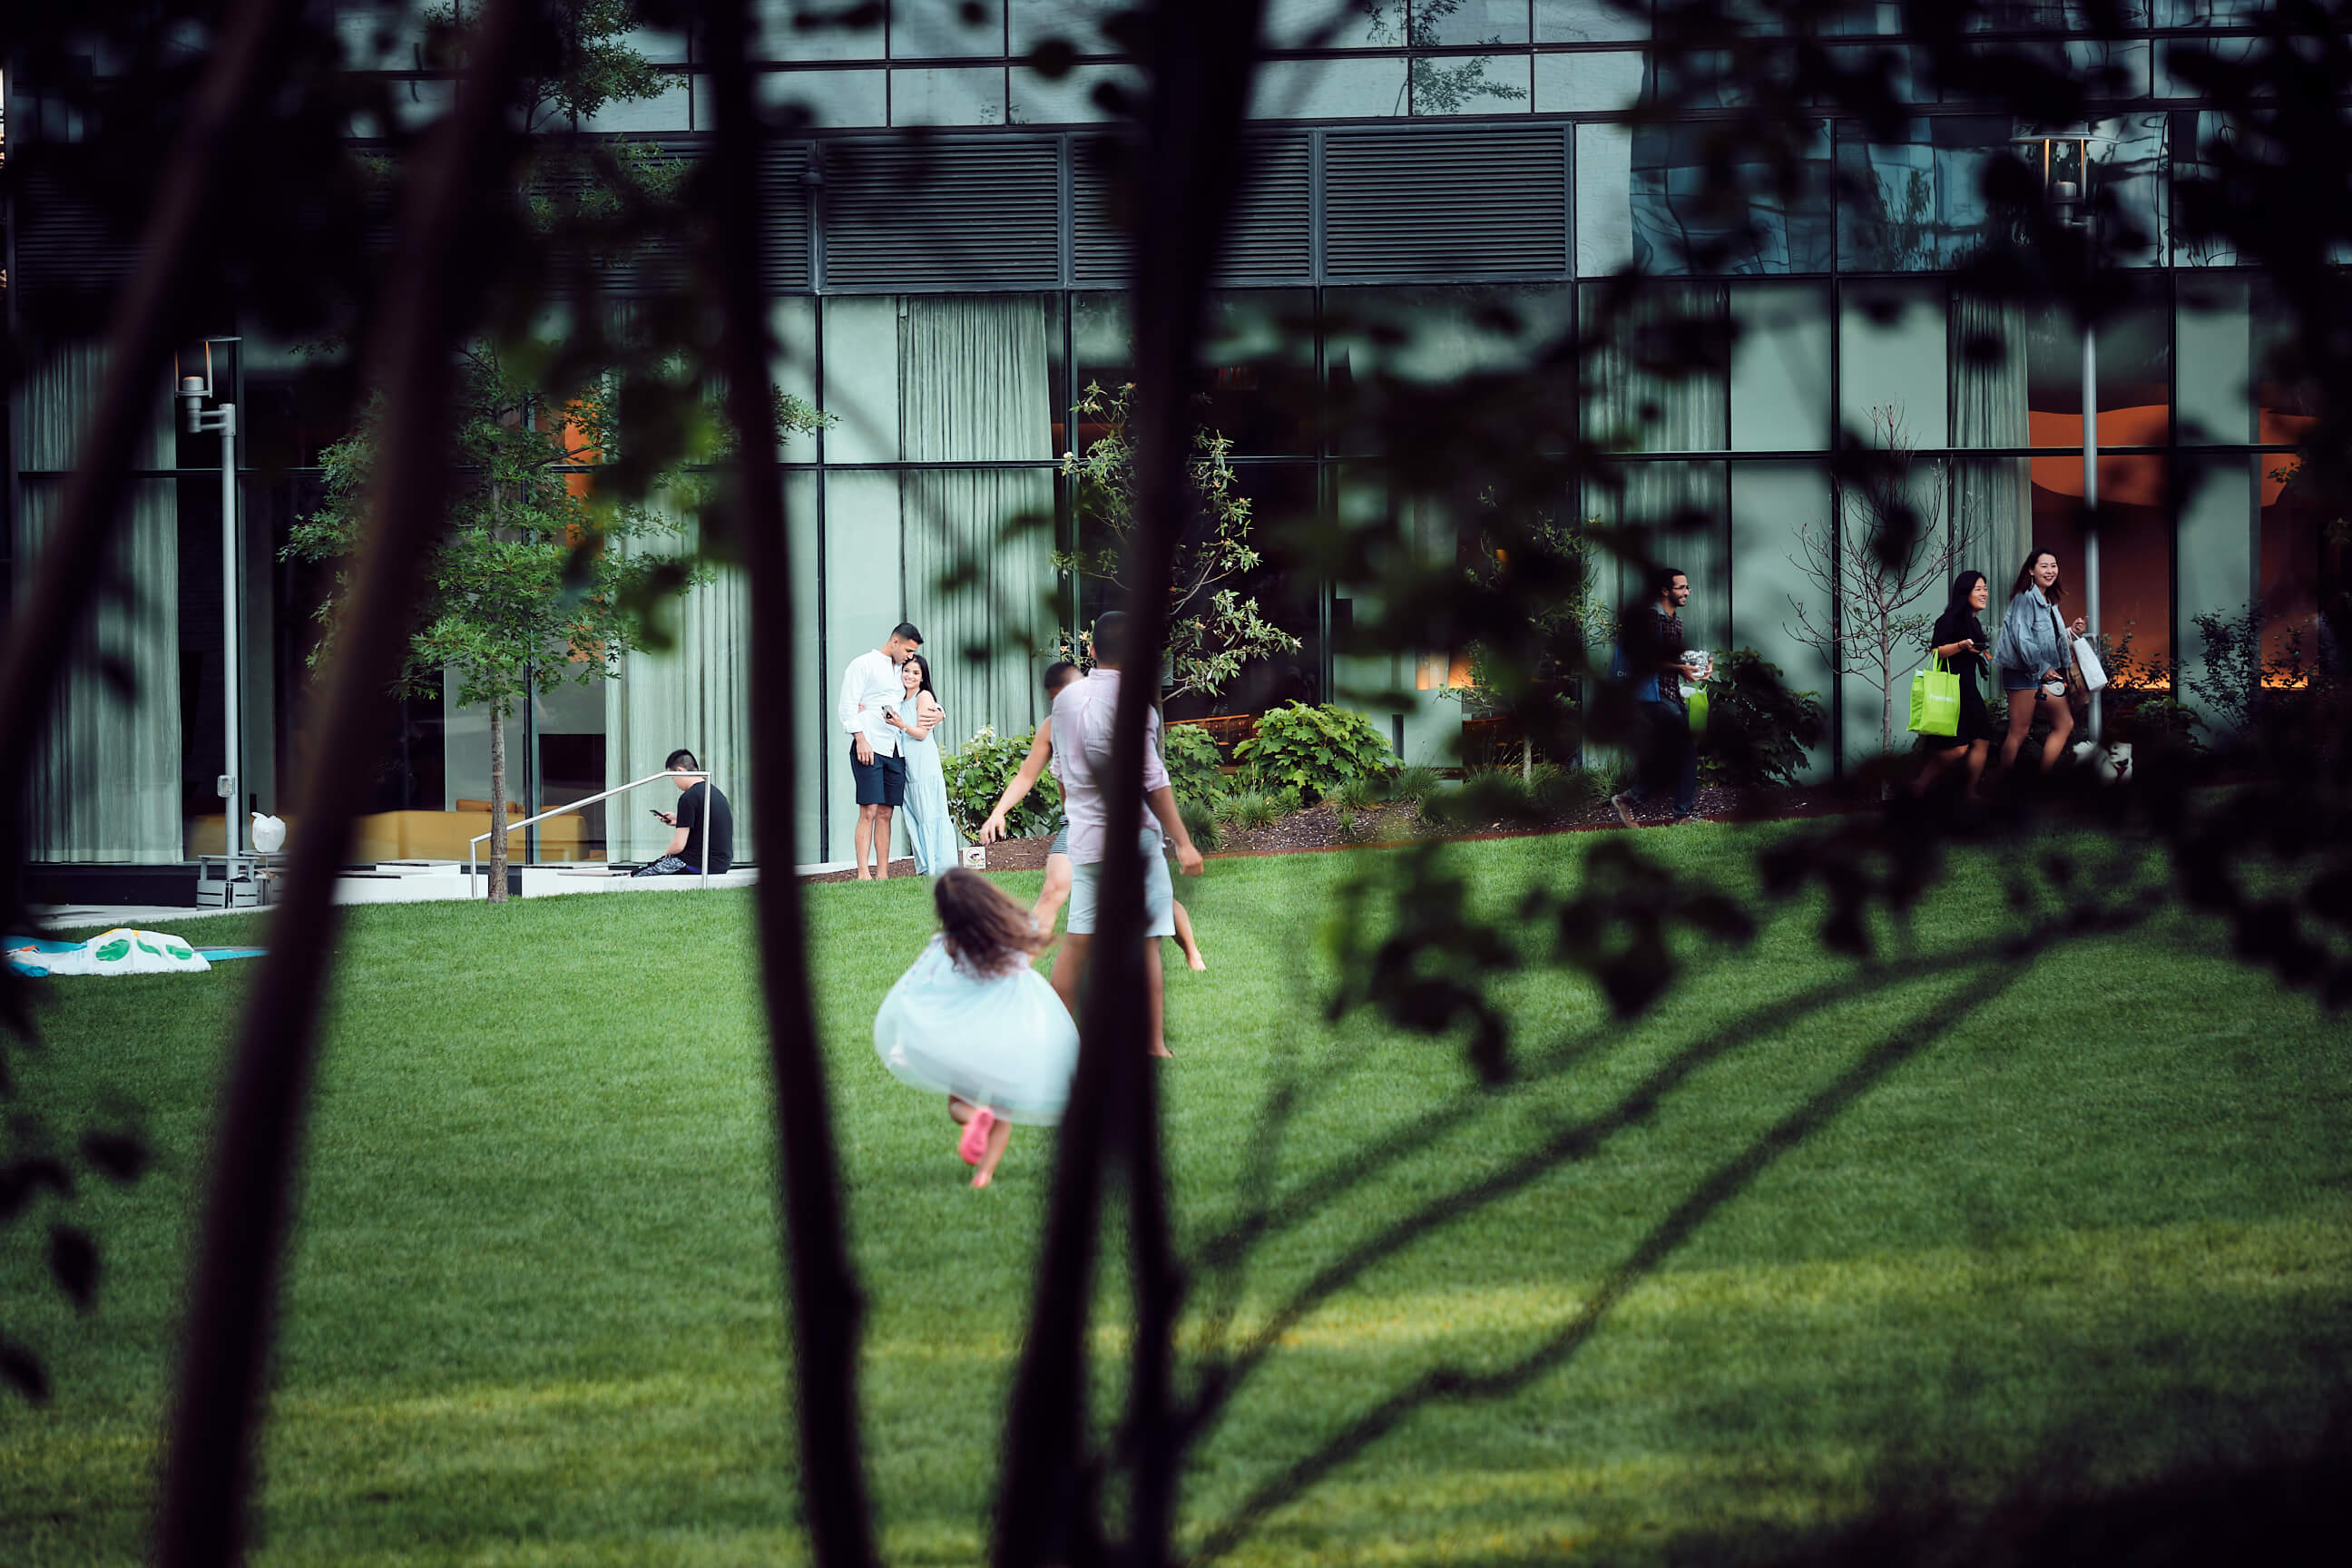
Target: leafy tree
(1213, 631)
(1312, 751)
(528, 591)
(1873, 573)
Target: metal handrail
(513, 827)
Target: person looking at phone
(1960, 642)
(687, 850)
(2032, 658)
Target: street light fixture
(2067, 161)
(194, 390)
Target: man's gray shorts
(1159, 892)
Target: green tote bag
(1936, 701)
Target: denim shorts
(1159, 891)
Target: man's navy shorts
(882, 781)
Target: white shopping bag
(2086, 659)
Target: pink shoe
(973, 1146)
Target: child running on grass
(973, 1021)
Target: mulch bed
(1318, 826)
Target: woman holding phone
(1960, 642)
(2032, 656)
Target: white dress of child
(1006, 1042)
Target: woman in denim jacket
(2032, 656)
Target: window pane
(1770, 502)
(1682, 222)
(2307, 560)
(946, 28)
(1590, 21)
(1333, 24)
(1070, 100)
(1586, 83)
(1916, 203)
(2214, 330)
(948, 97)
(1655, 382)
(1329, 89)
(1439, 22)
(1077, 23)
(820, 98)
(1891, 355)
(1474, 84)
(1780, 367)
(781, 37)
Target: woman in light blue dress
(930, 825)
(972, 1020)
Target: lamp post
(195, 420)
(2066, 160)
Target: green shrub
(977, 772)
(1553, 788)
(1314, 750)
(1419, 784)
(1247, 809)
(1758, 730)
(1200, 821)
(1357, 795)
(1604, 774)
(1196, 769)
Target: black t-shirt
(1961, 626)
(723, 827)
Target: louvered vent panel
(63, 245)
(1269, 240)
(1097, 228)
(977, 214)
(1447, 204)
(784, 205)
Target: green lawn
(2103, 1220)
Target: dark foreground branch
(825, 1305)
(208, 1469)
(45, 620)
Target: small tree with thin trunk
(527, 590)
(1873, 573)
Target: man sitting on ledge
(684, 856)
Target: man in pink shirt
(1083, 717)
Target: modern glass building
(946, 272)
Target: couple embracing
(890, 708)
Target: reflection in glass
(1681, 226)
(1891, 354)
(1590, 21)
(1333, 24)
(1376, 337)
(2305, 562)
(1470, 84)
(826, 36)
(1077, 23)
(1780, 367)
(1655, 380)
(1436, 22)
(943, 96)
(1585, 83)
(1070, 99)
(2214, 330)
(1327, 90)
(946, 29)
(1915, 204)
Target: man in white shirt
(1083, 717)
(868, 687)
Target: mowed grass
(2096, 1214)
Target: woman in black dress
(1959, 639)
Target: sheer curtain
(1641, 397)
(105, 783)
(1992, 498)
(974, 379)
(698, 695)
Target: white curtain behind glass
(975, 385)
(1992, 498)
(105, 781)
(1633, 401)
(696, 695)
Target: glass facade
(1822, 289)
